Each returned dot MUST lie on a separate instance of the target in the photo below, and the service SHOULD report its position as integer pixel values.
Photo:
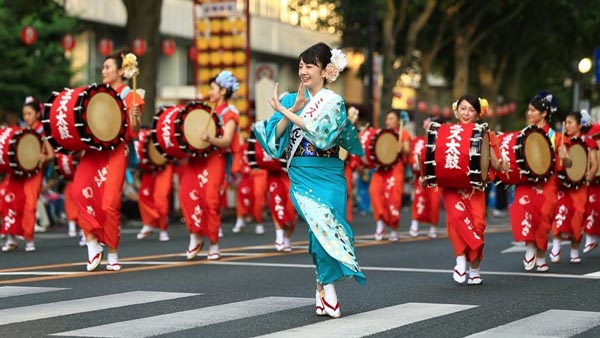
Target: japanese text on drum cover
(453, 144)
(62, 110)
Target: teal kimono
(318, 186)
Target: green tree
(37, 69)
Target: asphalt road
(255, 291)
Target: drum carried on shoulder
(90, 117)
(381, 148)
(529, 153)
(20, 151)
(176, 130)
(574, 177)
(457, 155)
(66, 164)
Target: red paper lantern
(68, 42)
(422, 106)
(105, 46)
(28, 35)
(446, 112)
(139, 47)
(435, 110)
(512, 107)
(193, 53)
(168, 47)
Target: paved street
(255, 291)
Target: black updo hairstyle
(318, 55)
(544, 101)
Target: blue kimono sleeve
(266, 131)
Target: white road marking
(372, 322)
(185, 320)
(11, 291)
(68, 307)
(549, 324)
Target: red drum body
(176, 130)
(597, 177)
(457, 155)
(381, 148)
(574, 177)
(20, 151)
(529, 153)
(91, 117)
(149, 157)
(259, 159)
(417, 153)
(66, 164)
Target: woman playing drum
(203, 178)
(387, 183)
(99, 178)
(580, 166)
(532, 211)
(465, 207)
(21, 192)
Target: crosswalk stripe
(49, 310)
(11, 291)
(549, 324)
(372, 322)
(173, 322)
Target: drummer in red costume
(28, 188)
(154, 194)
(203, 179)
(100, 216)
(387, 185)
(426, 201)
(570, 207)
(532, 211)
(465, 207)
(592, 208)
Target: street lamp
(584, 66)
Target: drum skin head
(155, 156)
(104, 117)
(578, 155)
(485, 156)
(195, 121)
(386, 148)
(538, 154)
(28, 151)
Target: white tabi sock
(72, 226)
(589, 239)
(287, 242)
(555, 246)
(380, 227)
(113, 258)
(461, 263)
(330, 294)
(414, 225)
(93, 248)
(474, 273)
(194, 241)
(279, 236)
(574, 253)
(530, 250)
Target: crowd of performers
(555, 197)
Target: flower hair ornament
(337, 64)
(32, 101)
(226, 80)
(130, 65)
(483, 103)
(586, 119)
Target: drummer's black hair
(584, 128)
(544, 101)
(118, 57)
(473, 101)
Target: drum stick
(562, 141)
(134, 88)
(499, 151)
(400, 135)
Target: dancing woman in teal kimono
(308, 128)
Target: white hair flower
(225, 79)
(337, 64)
(130, 65)
(585, 118)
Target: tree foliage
(37, 69)
(507, 49)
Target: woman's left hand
(204, 136)
(274, 100)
